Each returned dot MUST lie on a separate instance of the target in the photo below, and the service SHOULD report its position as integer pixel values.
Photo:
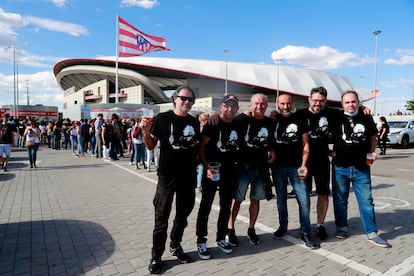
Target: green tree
(410, 105)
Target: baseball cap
(230, 97)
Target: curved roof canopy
(158, 74)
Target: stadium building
(145, 83)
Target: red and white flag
(133, 42)
(375, 93)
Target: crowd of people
(251, 152)
(108, 140)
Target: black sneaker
(225, 246)
(308, 241)
(231, 238)
(203, 252)
(178, 252)
(155, 266)
(292, 194)
(321, 232)
(253, 238)
(279, 232)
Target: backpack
(137, 132)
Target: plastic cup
(215, 170)
(302, 173)
(370, 158)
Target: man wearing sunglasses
(178, 133)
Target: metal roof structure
(160, 74)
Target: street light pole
(14, 80)
(376, 33)
(225, 82)
(278, 64)
(27, 92)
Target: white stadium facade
(144, 82)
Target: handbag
(30, 143)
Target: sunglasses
(185, 98)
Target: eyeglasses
(318, 101)
(185, 98)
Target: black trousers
(226, 186)
(184, 189)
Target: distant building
(39, 112)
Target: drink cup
(215, 170)
(149, 115)
(302, 173)
(370, 158)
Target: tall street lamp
(376, 33)
(225, 82)
(278, 61)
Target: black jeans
(226, 186)
(184, 189)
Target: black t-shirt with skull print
(352, 140)
(256, 139)
(320, 131)
(289, 143)
(178, 138)
(224, 143)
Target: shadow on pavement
(50, 247)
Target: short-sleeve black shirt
(178, 136)
(289, 142)
(223, 144)
(256, 139)
(352, 140)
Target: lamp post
(14, 80)
(27, 92)
(376, 33)
(278, 61)
(225, 82)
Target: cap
(229, 97)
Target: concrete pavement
(83, 216)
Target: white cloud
(322, 58)
(8, 23)
(404, 57)
(59, 3)
(42, 88)
(146, 4)
(58, 26)
(27, 59)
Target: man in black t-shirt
(256, 152)
(7, 131)
(178, 133)
(218, 143)
(292, 152)
(319, 119)
(354, 150)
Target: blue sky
(335, 36)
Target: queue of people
(292, 147)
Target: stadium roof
(159, 74)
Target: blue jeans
(280, 176)
(139, 154)
(32, 154)
(361, 181)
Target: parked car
(401, 133)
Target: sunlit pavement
(83, 216)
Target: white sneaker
(225, 246)
(203, 252)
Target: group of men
(252, 150)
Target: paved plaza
(83, 216)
